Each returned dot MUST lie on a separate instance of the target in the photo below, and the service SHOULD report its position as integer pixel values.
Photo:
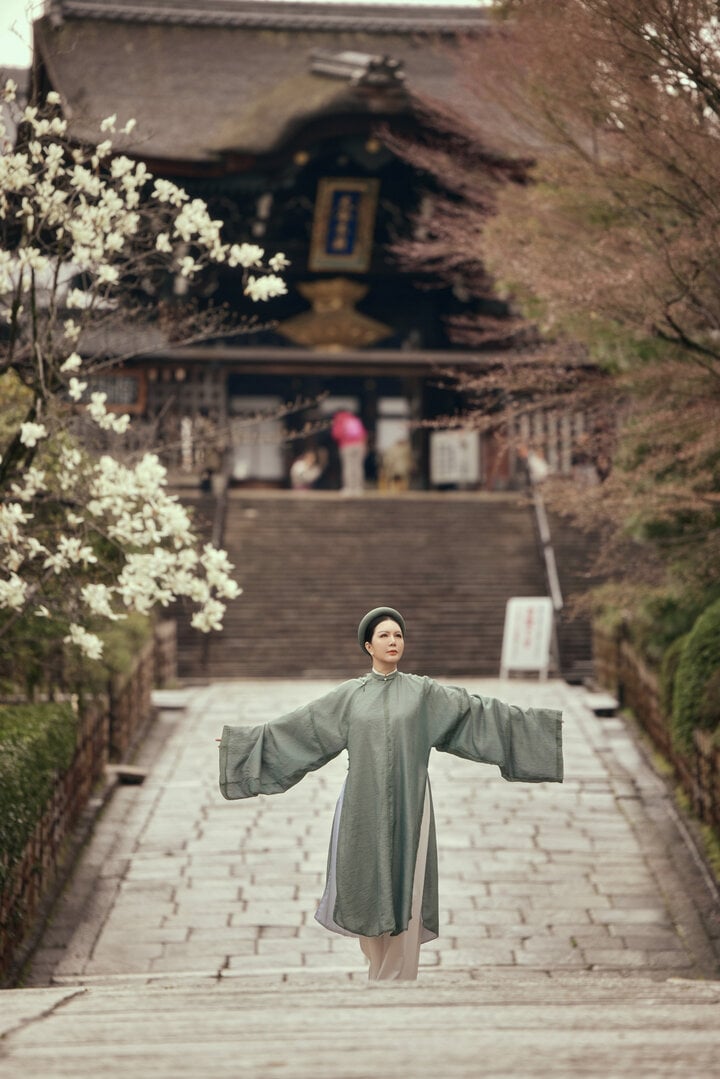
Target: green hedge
(37, 742)
(696, 703)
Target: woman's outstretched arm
(274, 756)
(525, 743)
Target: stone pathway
(591, 875)
(579, 931)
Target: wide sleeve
(272, 757)
(525, 743)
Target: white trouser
(397, 957)
(352, 457)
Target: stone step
(320, 1027)
(310, 566)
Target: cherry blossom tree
(89, 240)
(604, 244)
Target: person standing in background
(351, 437)
(306, 470)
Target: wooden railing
(108, 730)
(620, 669)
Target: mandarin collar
(383, 677)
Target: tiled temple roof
(276, 15)
(211, 80)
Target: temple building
(274, 114)
(291, 121)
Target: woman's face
(387, 646)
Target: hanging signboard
(454, 457)
(527, 637)
(343, 225)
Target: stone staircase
(517, 1025)
(310, 565)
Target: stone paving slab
(591, 875)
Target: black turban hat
(377, 612)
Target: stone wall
(108, 731)
(620, 669)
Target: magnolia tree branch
(90, 241)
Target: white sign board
(454, 457)
(527, 636)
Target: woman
(382, 867)
(350, 434)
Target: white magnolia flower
(166, 191)
(73, 362)
(114, 242)
(108, 124)
(31, 433)
(120, 424)
(57, 126)
(162, 243)
(72, 332)
(33, 547)
(141, 585)
(96, 406)
(77, 298)
(218, 568)
(188, 266)
(76, 388)
(13, 592)
(210, 617)
(88, 643)
(107, 275)
(85, 181)
(278, 262)
(33, 483)
(70, 552)
(13, 559)
(121, 166)
(265, 288)
(245, 255)
(70, 458)
(98, 597)
(12, 516)
(30, 258)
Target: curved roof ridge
(279, 15)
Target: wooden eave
(301, 361)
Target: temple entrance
(273, 420)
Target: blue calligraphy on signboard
(341, 235)
(343, 224)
